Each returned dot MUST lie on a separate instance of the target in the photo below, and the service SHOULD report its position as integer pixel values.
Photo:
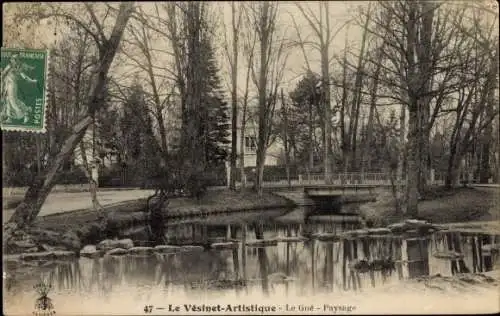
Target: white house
(274, 151)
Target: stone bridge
(329, 197)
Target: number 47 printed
(148, 309)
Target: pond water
(288, 276)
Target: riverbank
(73, 229)
(439, 205)
(70, 230)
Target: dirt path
(60, 202)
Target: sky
(340, 13)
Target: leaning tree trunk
(37, 193)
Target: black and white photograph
(250, 157)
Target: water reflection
(292, 268)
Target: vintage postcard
(250, 158)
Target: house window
(250, 143)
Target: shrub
(75, 176)
(197, 185)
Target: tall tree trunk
(325, 73)
(401, 161)
(423, 148)
(244, 113)
(242, 143)
(485, 167)
(234, 98)
(37, 193)
(453, 169)
(373, 104)
(322, 30)
(345, 134)
(424, 53)
(413, 165)
(285, 138)
(195, 142)
(157, 102)
(395, 189)
(265, 29)
(418, 74)
(357, 95)
(414, 115)
(178, 43)
(311, 141)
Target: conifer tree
(215, 123)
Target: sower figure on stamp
(12, 106)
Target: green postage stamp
(24, 89)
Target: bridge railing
(373, 178)
(349, 178)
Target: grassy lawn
(441, 205)
(465, 204)
(125, 213)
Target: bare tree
(284, 117)
(473, 101)
(419, 67)
(79, 85)
(142, 39)
(323, 32)
(357, 95)
(250, 41)
(374, 86)
(167, 24)
(37, 193)
(272, 61)
(232, 55)
(483, 29)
